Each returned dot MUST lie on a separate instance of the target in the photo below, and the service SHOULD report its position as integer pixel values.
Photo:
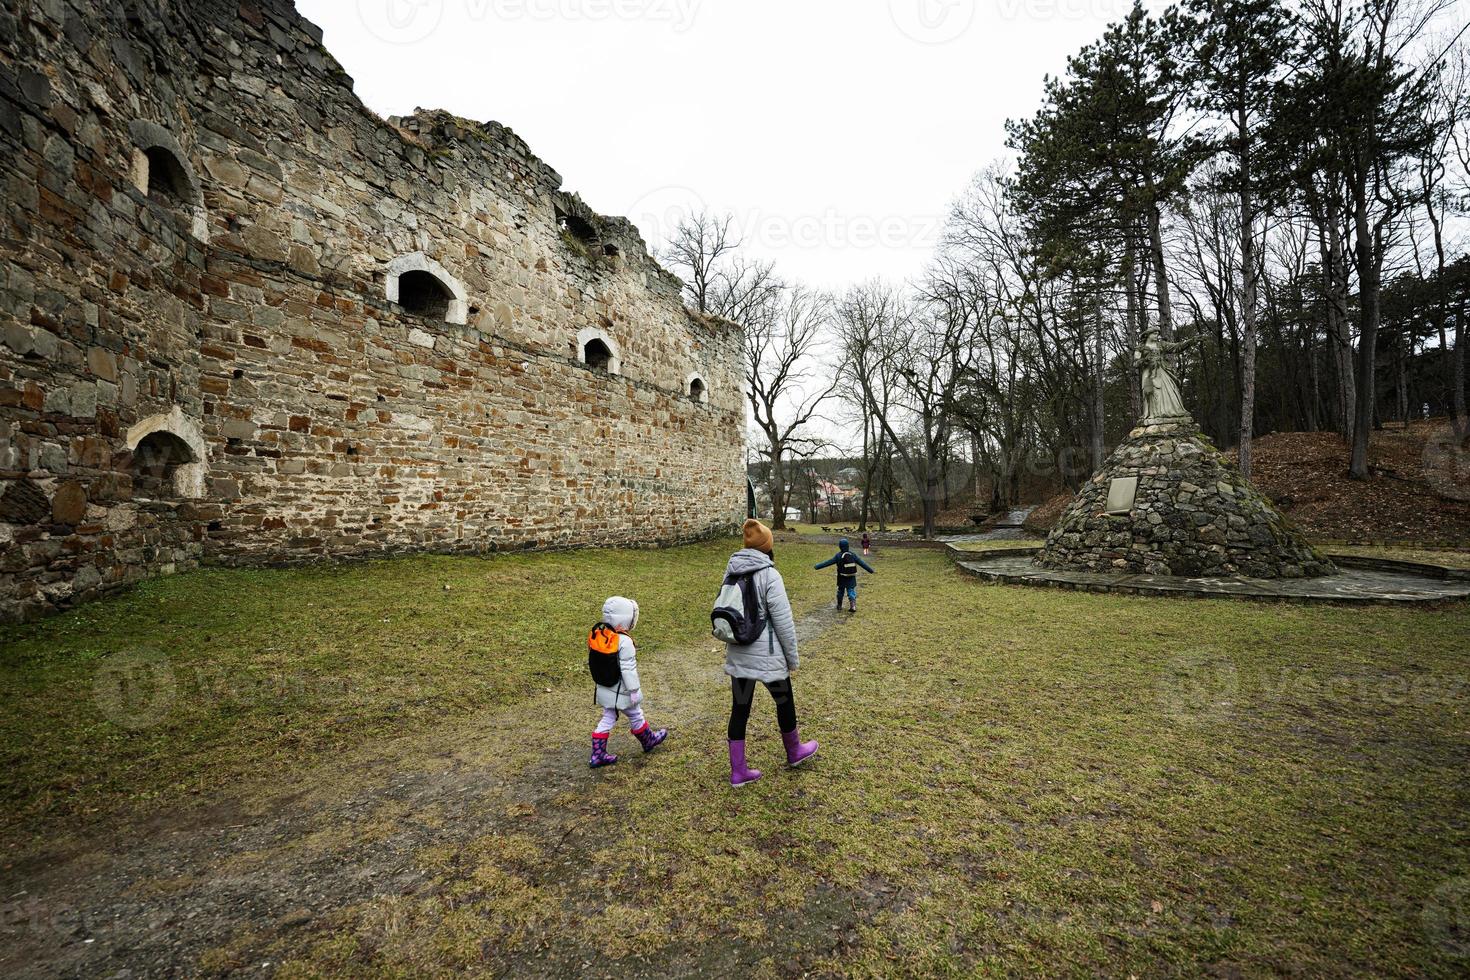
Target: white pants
(610, 719)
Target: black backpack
(603, 662)
(737, 616)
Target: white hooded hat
(620, 613)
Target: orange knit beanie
(758, 536)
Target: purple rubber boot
(600, 755)
(740, 773)
(798, 751)
(649, 738)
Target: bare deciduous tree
(866, 318)
(701, 246)
(785, 380)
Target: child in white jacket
(613, 661)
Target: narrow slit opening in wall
(168, 183)
(421, 294)
(155, 463)
(597, 355)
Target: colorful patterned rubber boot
(798, 751)
(600, 755)
(740, 773)
(649, 738)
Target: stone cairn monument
(1167, 502)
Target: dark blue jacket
(847, 563)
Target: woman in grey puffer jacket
(769, 660)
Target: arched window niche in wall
(170, 458)
(599, 351)
(160, 171)
(425, 288)
(697, 390)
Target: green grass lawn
(1012, 781)
(185, 684)
(837, 526)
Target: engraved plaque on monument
(1120, 496)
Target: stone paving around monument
(1356, 581)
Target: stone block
(23, 502)
(238, 429)
(83, 399)
(69, 505)
(102, 363)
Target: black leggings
(742, 692)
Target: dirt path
(211, 887)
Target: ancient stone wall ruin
(243, 320)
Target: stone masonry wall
(201, 362)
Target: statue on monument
(1161, 399)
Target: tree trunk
(1401, 382)
(1339, 338)
(1130, 329)
(1447, 355)
(1161, 273)
(1247, 318)
(1099, 392)
(779, 495)
(1314, 407)
(1369, 295)
(867, 471)
(975, 468)
(931, 502)
(1458, 395)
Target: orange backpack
(602, 656)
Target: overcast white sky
(837, 131)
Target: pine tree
(1238, 53)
